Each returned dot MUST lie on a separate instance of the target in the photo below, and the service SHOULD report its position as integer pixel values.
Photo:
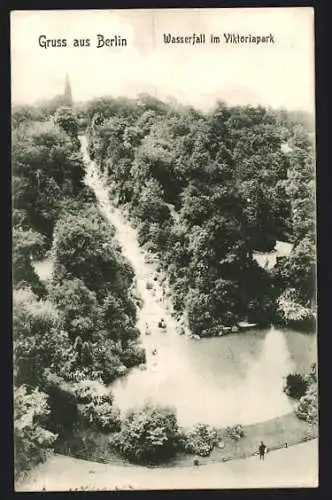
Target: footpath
(296, 466)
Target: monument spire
(67, 94)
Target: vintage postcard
(164, 249)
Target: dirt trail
(62, 473)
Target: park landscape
(164, 298)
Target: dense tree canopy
(81, 323)
(40, 342)
(208, 190)
(47, 170)
(27, 246)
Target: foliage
(311, 375)
(235, 432)
(78, 306)
(81, 325)
(65, 118)
(39, 341)
(200, 311)
(33, 442)
(291, 311)
(295, 385)
(92, 288)
(206, 190)
(106, 364)
(307, 408)
(26, 246)
(149, 435)
(87, 391)
(95, 406)
(101, 415)
(63, 417)
(24, 113)
(201, 440)
(84, 248)
(133, 355)
(46, 171)
(150, 207)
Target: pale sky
(278, 75)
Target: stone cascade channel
(159, 342)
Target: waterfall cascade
(218, 381)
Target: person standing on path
(262, 449)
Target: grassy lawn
(275, 433)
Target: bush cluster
(95, 406)
(235, 432)
(307, 407)
(295, 385)
(201, 440)
(149, 435)
(33, 443)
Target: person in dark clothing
(162, 324)
(261, 450)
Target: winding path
(62, 473)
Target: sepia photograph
(164, 249)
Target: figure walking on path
(261, 450)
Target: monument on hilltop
(68, 97)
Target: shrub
(39, 340)
(295, 386)
(199, 311)
(89, 390)
(143, 233)
(311, 376)
(149, 435)
(133, 355)
(235, 432)
(95, 406)
(63, 416)
(33, 442)
(106, 360)
(201, 440)
(101, 415)
(290, 308)
(307, 409)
